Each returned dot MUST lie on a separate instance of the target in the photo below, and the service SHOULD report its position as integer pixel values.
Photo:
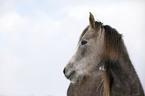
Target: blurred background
(38, 37)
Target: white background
(38, 37)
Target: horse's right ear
(92, 20)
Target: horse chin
(74, 79)
(77, 79)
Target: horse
(101, 65)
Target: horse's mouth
(71, 75)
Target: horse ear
(92, 20)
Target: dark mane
(113, 43)
(120, 72)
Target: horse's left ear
(92, 20)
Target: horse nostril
(71, 75)
(64, 70)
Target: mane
(113, 48)
(119, 71)
(113, 43)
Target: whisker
(101, 90)
(100, 84)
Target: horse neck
(121, 77)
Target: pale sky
(38, 37)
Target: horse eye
(83, 42)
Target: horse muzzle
(69, 74)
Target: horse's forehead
(88, 31)
(93, 33)
(88, 35)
